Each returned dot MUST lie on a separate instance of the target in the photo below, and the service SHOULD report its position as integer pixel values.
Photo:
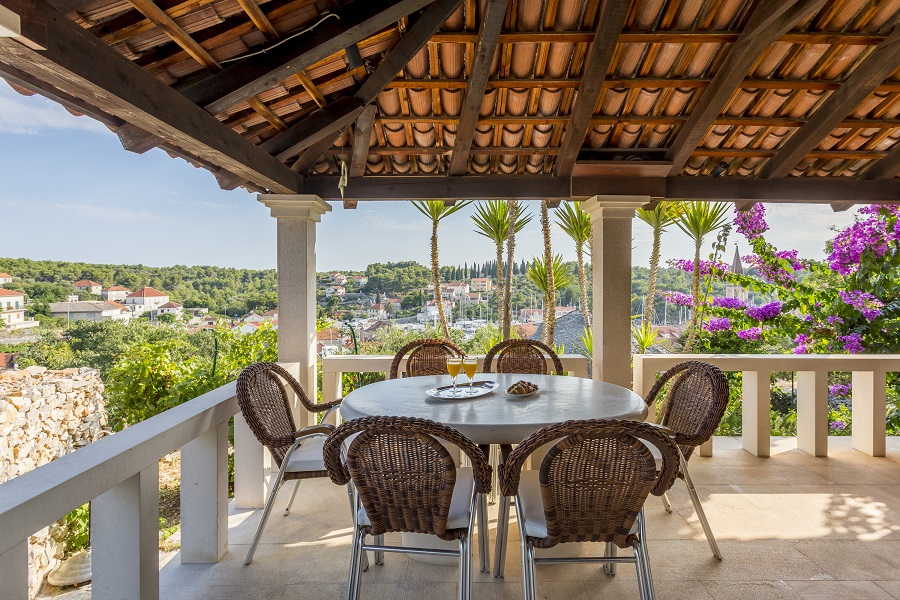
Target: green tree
(576, 223)
(658, 218)
(549, 274)
(436, 211)
(543, 279)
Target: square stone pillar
(297, 216)
(611, 276)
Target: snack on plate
(522, 387)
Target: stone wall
(44, 415)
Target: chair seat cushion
(530, 505)
(460, 501)
(308, 456)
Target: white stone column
(611, 276)
(812, 412)
(14, 572)
(869, 410)
(756, 405)
(204, 497)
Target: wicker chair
(522, 356)
(426, 357)
(692, 409)
(591, 487)
(263, 399)
(515, 356)
(429, 494)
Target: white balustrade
(869, 373)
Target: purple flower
(866, 303)
(687, 265)
(764, 312)
(773, 271)
(866, 234)
(852, 343)
(802, 348)
(722, 324)
(733, 303)
(754, 333)
(834, 320)
(840, 389)
(838, 425)
(751, 223)
(678, 298)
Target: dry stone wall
(44, 415)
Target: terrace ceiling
(790, 100)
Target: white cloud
(381, 222)
(28, 115)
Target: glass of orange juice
(470, 366)
(454, 363)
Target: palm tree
(659, 217)
(506, 325)
(543, 279)
(576, 223)
(436, 210)
(550, 294)
(492, 221)
(698, 219)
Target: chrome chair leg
(379, 555)
(527, 565)
(532, 578)
(666, 504)
(642, 573)
(502, 536)
(265, 517)
(355, 562)
(465, 568)
(290, 503)
(695, 500)
(645, 555)
(483, 534)
(611, 550)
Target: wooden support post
(14, 572)
(755, 411)
(812, 412)
(869, 411)
(204, 497)
(125, 539)
(252, 465)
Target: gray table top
(497, 418)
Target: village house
(5, 278)
(87, 285)
(115, 293)
(536, 315)
(454, 289)
(169, 308)
(338, 278)
(472, 298)
(431, 312)
(145, 299)
(12, 311)
(98, 310)
(376, 311)
(481, 284)
(360, 280)
(335, 290)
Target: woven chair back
(695, 403)
(522, 356)
(595, 478)
(264, 403)
(425, 357)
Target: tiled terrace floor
(790, 526)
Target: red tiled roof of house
(170, 305)
(5, 276)
(117, 305)
(85, 283)
(116, 288)
(526, 330)
(146, 292)
(10, 293)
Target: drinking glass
(454, 363)
(470, 366)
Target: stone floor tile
(853, 559)
(750, 590)
(839, 590)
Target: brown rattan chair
(591, 487)
(525, 357)
(692, 409)
(522, 356)
(425, 357)
(406, 480)
(263, 399)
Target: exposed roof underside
(675, 89)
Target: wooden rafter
(259, 18)
(610, 21)
(408, 46)
(770, 20)
(876, 67)
(311, 88)
(254, 74)
(485, 49)
(82, 66)
(886, 168)
(362, 135)
(162, 20)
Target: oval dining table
(495, 418)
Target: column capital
(615, 207)
(295, 205)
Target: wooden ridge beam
(876, 67)
(886, 168)
(610, 21)
(80, 65)
(770, 20)
(493, 15)
(362, 135)
(409, 45)
(254, 74)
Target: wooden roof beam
(485, 49)
(880, 63)
(770, 20)
(162, 20)
(80, 65)
(258, 72)
(259, 18)
(886, 168)
(409, 45)
(362, 135)
(610, 22)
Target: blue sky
(70, 192)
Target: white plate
(481, 388)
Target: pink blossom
(751, 223)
